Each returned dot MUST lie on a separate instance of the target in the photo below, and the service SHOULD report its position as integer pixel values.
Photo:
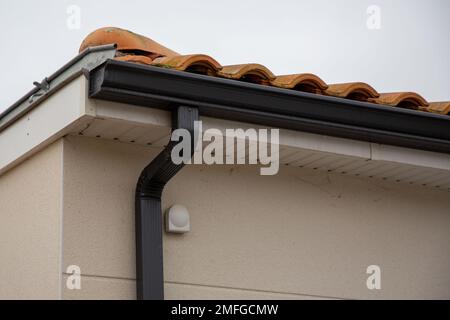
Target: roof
(121, 66)
(139, 49)
(146, 81)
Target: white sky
(411, 51)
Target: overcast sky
(394, 45)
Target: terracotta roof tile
(439, 107)
(422, 108)
(352, 90)
(126, 41)
(135, 48)
(135, 58)
(305, 82)
(196, 63)
(251, 72)
(408, 100)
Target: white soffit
(356, 158)
(44, 124)
(69, 111)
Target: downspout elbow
(148, 211)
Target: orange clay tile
(126, 41)
(305, 82)
(408, 100)
(251, 72)
(195, 63)
(353, 90)
(439, 107)
(135, 59)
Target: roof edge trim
(89, 59)
(232, 100)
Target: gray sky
(331, 38)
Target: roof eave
(85, 61)
(239, 101)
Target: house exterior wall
(302, 234)
(30, 227)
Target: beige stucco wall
(302, 234)
(30, 227)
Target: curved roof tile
(352, 90)
(135, 59)
(439, 107)
(408, 100)
(196, 63)
(306, 82)
(126, 41)
(251, 72)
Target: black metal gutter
(148, 213)
(234, 100)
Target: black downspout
(149, 221)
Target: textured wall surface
(301, 234)
(30, 227)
